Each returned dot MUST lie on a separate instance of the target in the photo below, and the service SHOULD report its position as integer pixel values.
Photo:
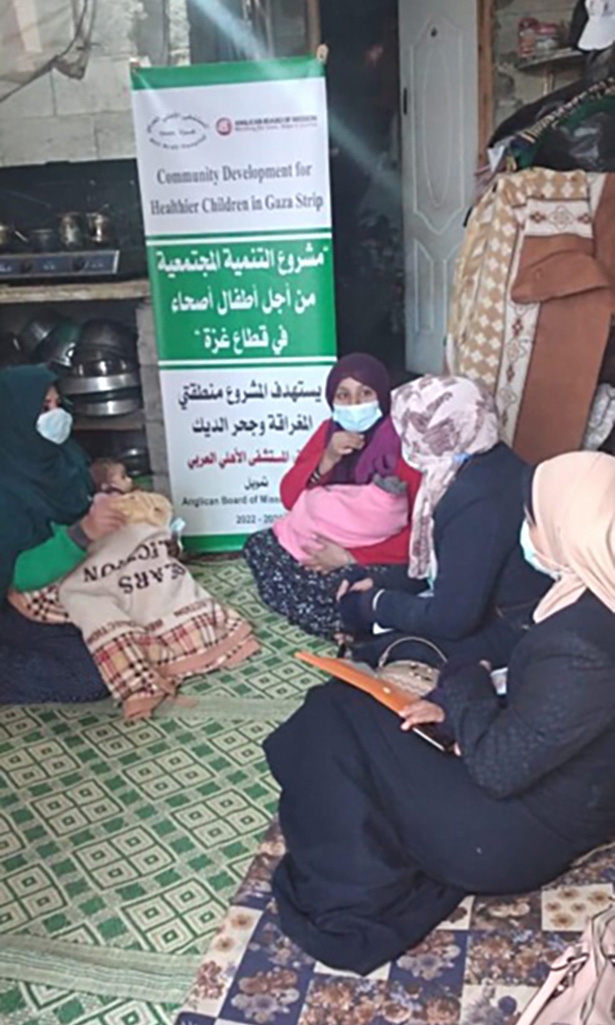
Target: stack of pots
(104, 375)
(50, 338)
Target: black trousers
(385, 835)
(40, 663)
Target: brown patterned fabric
(574, 284)
(493, 326)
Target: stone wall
(514, 87)
(59, 118)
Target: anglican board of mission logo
(224, 126)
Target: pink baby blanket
(352, 515)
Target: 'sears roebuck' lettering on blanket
(147, 623)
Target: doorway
(439, 81)
(363, 94)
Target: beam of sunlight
(240, 34)
(238, 31)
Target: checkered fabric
(43, 606)
(490, 336)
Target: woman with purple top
(357, 444)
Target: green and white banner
(234, 174)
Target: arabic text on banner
(234, 175)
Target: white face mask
(55, 425)
(530, 556)
(357, 418)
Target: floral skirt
(305, 598)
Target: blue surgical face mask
(55, 425)
(530, 555)
(357, 418)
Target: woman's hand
(356, 609)
(342, 443)
(347, 586)
(102, 519)
(420, 713)
(327, 556)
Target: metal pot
(115, 403)
(100, 227)
(136, 459)
(71, 230)
(58, 348)
(84, 366)
(11, 352)
(95, 386)
(8, 234)
(101, 338)
(44, 240)
(39, 327)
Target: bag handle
(561, 973)
(382, 661)
(603, 962)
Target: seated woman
(47, 524)
(356, 445)
(467, 589)
(146, 625)
(385, 834)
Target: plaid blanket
(146, 621)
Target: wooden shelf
(565, 55)
(130, 422)
(74, 291)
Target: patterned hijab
(573, 528)
(441, 422)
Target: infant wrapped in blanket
(351, 515)
(111, 478)
(147, 623)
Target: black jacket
(553, 744)
(481, 569)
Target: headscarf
(382, 449)
(573, 529)
(40, 482)
(441, 422)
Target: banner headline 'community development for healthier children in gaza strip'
(217, 176)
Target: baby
(111, 478)
(350, 515)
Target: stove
(93, 264)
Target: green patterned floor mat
(121, 844)
(41, 1005)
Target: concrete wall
(514, 88)
(59, 118)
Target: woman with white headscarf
(466, 588)
(384, 834)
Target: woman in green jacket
(47, 523)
